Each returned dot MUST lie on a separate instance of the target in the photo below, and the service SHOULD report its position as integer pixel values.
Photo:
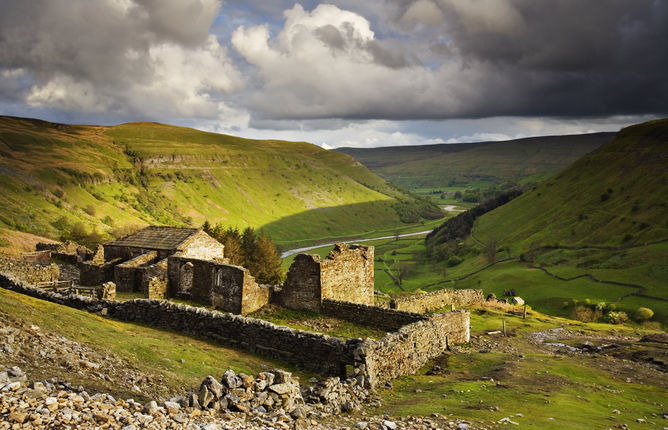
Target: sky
(344, 73)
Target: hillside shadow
(323, 225)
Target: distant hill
(441, 165)
(616, 195)
(53, 176)
(597, 232)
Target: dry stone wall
(30, 272)
(129, 275)
(429, 302)
(382, 318)
(374, 362)
(405, 351)
(91, 273)
(345, 275)
(157, 288)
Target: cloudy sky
(343, 73)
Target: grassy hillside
(482, 164)
(598, 230)
(616, 195)
(53, 176)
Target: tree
(249, 250)
(269, 270)
(403, 272)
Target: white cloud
(135, 59)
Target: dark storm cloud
(464, 59)
(255, 62)
(566, 57)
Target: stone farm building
(161, 262)
(164, 262)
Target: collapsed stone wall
(438, 299)
(382, 318)
(405, 351)
(345, 275)
(92, 273)
(374, 362)
(68, 251)
(129, 275)
(29, 272)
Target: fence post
(524, 315)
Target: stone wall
(345, 275)
(29, 272)
(301, 289)
(429, 302)
(91, 273)
(203, 247)
(226, 287)
(374, 362)
(68, 251)
(156, 288)
(155, 271)
(128, 276)
(404, 352)
(374, 316)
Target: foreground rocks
(57, 404)
(278, 392)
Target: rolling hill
(597, 230)
(616, 195)
(484, 163)
(54, 176)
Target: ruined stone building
(346, 275)
(171, 262)
(164, 262)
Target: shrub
(643, 314)
(616, 317)
(454, 260)
(90, 210)
(585, 314)
(601, 306)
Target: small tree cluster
(250, 249)
(589, 311)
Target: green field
(532, 386)
(646, 266)
(609, 208)
(53, 176)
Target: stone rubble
(56, 404)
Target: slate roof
(156, 237)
